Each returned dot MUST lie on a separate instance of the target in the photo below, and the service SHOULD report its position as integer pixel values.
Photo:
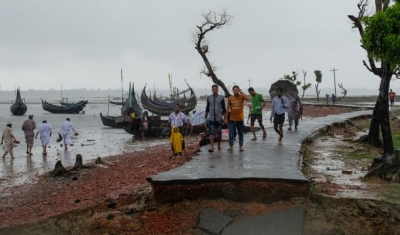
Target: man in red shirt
(392, 95)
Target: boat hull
(110, 121)
(72, 108)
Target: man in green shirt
(258, 105)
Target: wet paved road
(262, 159)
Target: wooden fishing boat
(18, 107)
(134, 126)
(117, 102)
(166, 108)
(71, 108)
(110, 121)
(132, 106)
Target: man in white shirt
(65, 131)
(177, 118)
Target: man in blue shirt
(279, 105)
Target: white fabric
(8, 143)
(66, 127)
(45, 133)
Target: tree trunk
(373, 135)
(59, 170)
(78, 161)
(212, 74)
(388, 148)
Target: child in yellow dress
(176, 141)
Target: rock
(111, 203)
(98, 161)
(213, 221)
(347, 172)
(129, 211)
(110, 216)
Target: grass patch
(314, 188)
(392, 192)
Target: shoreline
(125, 174)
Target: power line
(249, 81)
(334, 77)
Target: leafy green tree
(292, 78)
(318, 80)
(306, 85)
(380, 37)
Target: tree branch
(211, 21)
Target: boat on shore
(161, 108)
(110, 121)
(117, 102)
(18, 107)
(70, 108)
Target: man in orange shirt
(392, 95)
(236, 119)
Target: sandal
(230, 149)
(254, 139)
(264, 135)
(211, 150)
(241, 149)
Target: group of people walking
(233, 114)
(8, 140)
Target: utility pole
(249, 81)
(334, 77)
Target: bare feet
(219, 147)
(254, 139)
(264, 135)
(241, 149)
(230, 149)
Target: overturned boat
(18, 107)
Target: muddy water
(329, 165)
(94, 140)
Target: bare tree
(344, 91)
(211, 20)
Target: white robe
(45, 133)
(65, 131)
(8, 140)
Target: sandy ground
(122, 174)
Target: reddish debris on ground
(126, 173)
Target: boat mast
(122, 88)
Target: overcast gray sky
(84, 44)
